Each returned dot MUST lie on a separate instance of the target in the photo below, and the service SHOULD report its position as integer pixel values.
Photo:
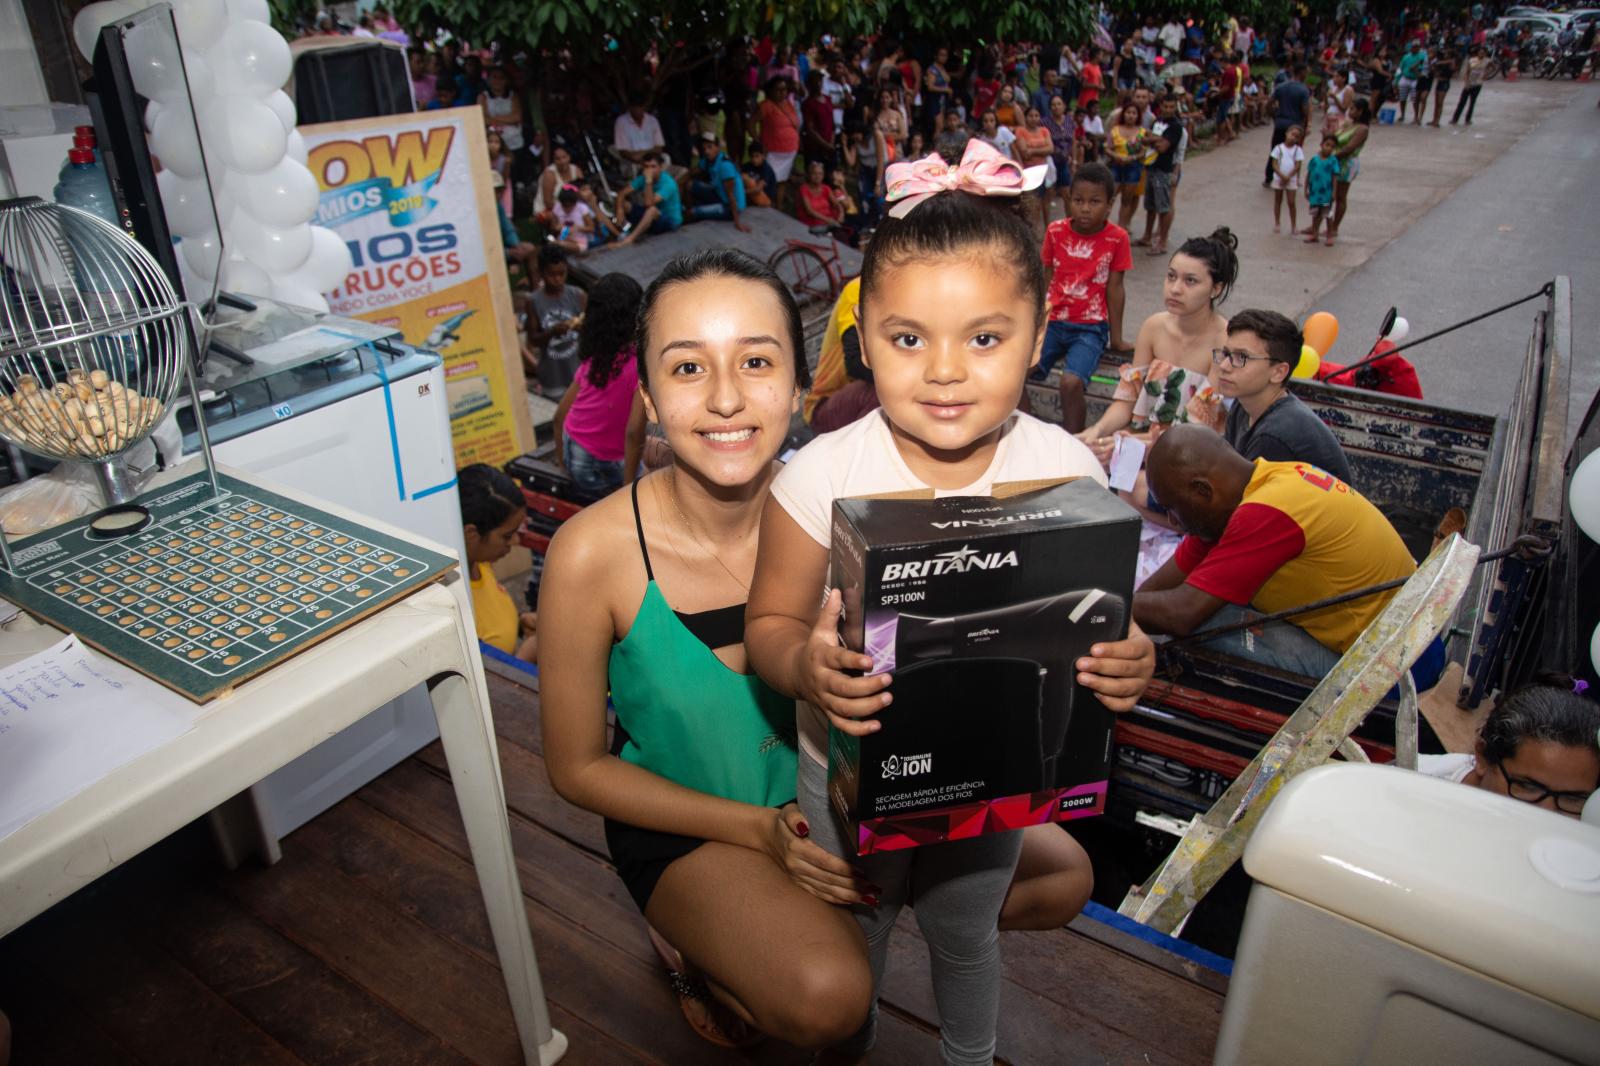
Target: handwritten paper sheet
(68, 717)
(1126, 459)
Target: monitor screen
(145, 122)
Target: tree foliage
(616, 38)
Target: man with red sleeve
(1268, 536)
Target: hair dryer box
(980, 607)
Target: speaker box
(355, 81)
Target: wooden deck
(368, 943)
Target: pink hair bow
(983, 172)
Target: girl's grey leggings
(957, 888)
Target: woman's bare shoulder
(599, 544)
(1158, 325)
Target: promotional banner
(410, 195)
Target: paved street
(1442, 223)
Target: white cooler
(1397, 918)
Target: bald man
(1264, 537)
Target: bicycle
(813, 273)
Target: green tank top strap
(691, 719)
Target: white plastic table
(243, 736)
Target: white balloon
(202, 253)
(200, 22)
(254, 58)
(153, 63)
(295, 148)
(1594, 657)
(154, 108)
(297, 292)
(239, 275)
(195, 288)
(283, 107)
(86, 25)
(254, 10)
(191, 208)
(277, 251)
(1400, 331)
(330, 260)
(284, 196)
(158, 77)
(174, 143)
(243, 133)
(202, 79)
(1584, 496)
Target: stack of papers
(68, 717)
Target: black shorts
(1425, 84)
(641, 856)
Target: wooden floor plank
(580, 886)
(423, 976)
(607, 958)
(48, 1029)
(1115, 997)
(146, 1002)
(288, 992)
(1142, 1003)
(530, 794)
(369, 944)
(516, 713)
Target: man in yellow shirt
(1268, 536)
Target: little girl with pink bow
(951, 318)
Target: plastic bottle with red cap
(83, 183)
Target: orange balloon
(1320, 331)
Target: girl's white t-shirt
(862, 460)
(1287, 157)
(574, 217)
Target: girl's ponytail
(1219, 252)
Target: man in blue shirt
(651, 203)
(720, 193)
(1047, 91)
(1290, 106)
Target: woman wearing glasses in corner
(1541, 745)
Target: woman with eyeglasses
(1541, 745)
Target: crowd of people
(694, 589)
(811, 130)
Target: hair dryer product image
(1053, 631)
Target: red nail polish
(871, 901)
(802, 830)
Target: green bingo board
(218, 587)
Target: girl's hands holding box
(824, 684)
(1118, 671)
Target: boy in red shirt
(1090, 76)
(1086, 255)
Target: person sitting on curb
(717, 192)
(650, 204)
(636, 134)
(1265, 537)
(1267, 420)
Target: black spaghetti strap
(638, 524)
